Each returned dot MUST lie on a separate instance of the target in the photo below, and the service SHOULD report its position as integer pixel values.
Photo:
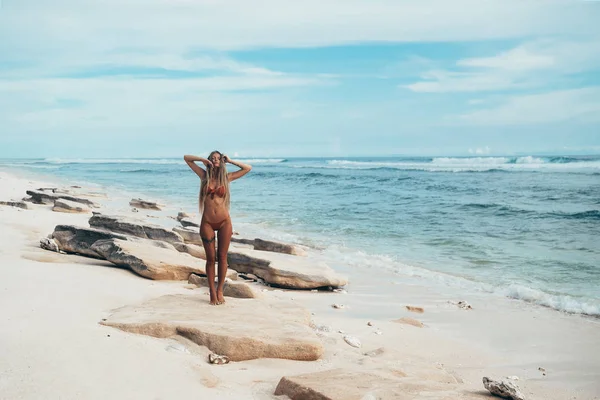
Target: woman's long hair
(219, 175)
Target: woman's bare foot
(214, 301)
(220, 297)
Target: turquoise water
(529, 224)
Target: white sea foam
(113, 161)
(262, 160)
(557, 302)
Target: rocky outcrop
(505, 389)
(238, 290)
(12, 203)
(278, 247)
(146, 205)
(284, 270)
(191, 249)
(339, 384)
(79, 240)
(66, 206)
(189, 222)
(149, 261)
(189, 235)
(181, 215)
(134, 228)
(49, 197)
(241, 329)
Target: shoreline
(472, 343)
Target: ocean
(527, 227)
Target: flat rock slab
(13, 203)
(134, 228)
(285, 270)
(67, 206)
(339, 384)
(49, 197)
(189, 235)
(79, 240)
(189, 222)
(238, 290)
(150, 261)
(146, 205)
(241, 329)
(278, 247)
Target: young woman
(214, 207)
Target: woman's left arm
(245, 168)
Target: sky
(280, 78)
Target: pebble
(370, 323)
(352, 341)
(339, 306)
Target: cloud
(579, 105)
(528, 65)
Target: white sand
(51, 345)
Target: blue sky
(159, 78)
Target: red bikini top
(220, 191)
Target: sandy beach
(53, 343)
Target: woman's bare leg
(207, 233)
(225, 232)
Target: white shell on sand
(352, 341)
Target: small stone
(506, 389)
(341, 331)
(338, 306)
(541, 369)
(352, 341)
(217, 359)
(343, 291)
(370, 323)
(419, 310)
(378, 332)
(134, 210)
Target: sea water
(523, 227)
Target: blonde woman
(214, 207)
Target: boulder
(285, 270)
(339, 384)
(249, 242)
(149, 261)
(49, 197)
(238, 290)
(147, 205)
(67, 206)
(278, 247)
(191, 249)
(12, 203)
(79, 240)
(189, 235)
(189, 222)
(241, 329)
(505, 389)
(134, 228)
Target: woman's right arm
(191, 162)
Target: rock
(189, 222)
(217, 359)
(149, 261)
(409, 321)
(278, 247)
(352, 341)
(43, 197)
(370, 323)
(238, 290)
(189, 235)
(181, 215)
(192, 249)
(506, 389)
(241, 329)
(419, 310)
(49, 244)
(78, 240)
(338, 384)
(462, 304)
(12, 203)
(66, 206)
(134, 228)
(285, 270)
(248, 242)
(338, 306)
(147, 205)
